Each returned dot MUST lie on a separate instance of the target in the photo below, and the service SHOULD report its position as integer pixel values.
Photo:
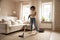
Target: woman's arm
(28, 16)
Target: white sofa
(10, 25)
(4, 28)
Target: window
(46, 11)
(25, 11)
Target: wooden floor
(47, 35)
(55, 35)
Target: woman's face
(32, 9)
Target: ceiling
(21, 0)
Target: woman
(32, 17)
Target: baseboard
(43, 28)
(47, 28)
(57, 29)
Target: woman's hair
(32, 7)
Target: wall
(7, 7)
(18, 9)
(0, 6)
(57, 14)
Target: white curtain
(25, 11)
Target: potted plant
(43, 19)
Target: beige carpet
(28, 36)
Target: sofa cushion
(11, 20)
(19, 21)
(14, 23)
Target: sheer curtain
(25, 11)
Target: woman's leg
(35, 24)
(31, 23)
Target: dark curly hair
(32, 7)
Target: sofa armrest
(3, 28)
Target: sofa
(10, 24)
(4, 28)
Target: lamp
(13, 13)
